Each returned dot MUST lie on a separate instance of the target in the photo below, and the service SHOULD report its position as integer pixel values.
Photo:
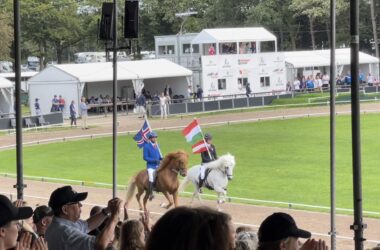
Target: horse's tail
(131, 190)
(184, 184)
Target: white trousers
(84, 121)
(151, 172)
(202, 169)
(141, 110)
(164, 112)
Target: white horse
(221, 171)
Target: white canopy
(233, 35)
(318, 58)
(127, 70)
(5, 83)
(6, 95)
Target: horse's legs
(167, 196)
(221, 196)
(145, 200)
(175, 198)
(138, 196)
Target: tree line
(55, 30)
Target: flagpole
(158, 147)
(204, 141)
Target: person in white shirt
(296, 85)
(164, 106)
(370, 79)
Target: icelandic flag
(142, 136)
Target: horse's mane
(220, 162)
(169, 157)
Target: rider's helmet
(208, 136)
(152, 134)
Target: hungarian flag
(193, 135)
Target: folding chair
(29, 123)
(42, 122)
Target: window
(227, 48)
(247, 47)
(265, 81)
(267, 46)
(166, 50)
(242, 82)
(222, 84)
(186, 48)
(196, 48)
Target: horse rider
(207, 156)
(152, 156)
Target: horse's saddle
(205, 183)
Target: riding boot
(201, 181)
(151, 195)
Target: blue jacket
(151, 155)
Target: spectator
(73, 114)
(211, 50)
(325, 80)
(42, 217)
(189, 93)
(347, 79)
(67, 231)
(279, 231)
(192, 228)
(199, 93)
(132, 235)
(140, 103)
(9, 222)
(168, 91)
(37, 107)
(370, 79)
(243, 229)
(164, 106)
(246, 240)
(296, 85)
(55, 104)
(248, 90)
(83, 112)
(61, 104)
(361, 77)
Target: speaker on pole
(106, 22)
(131, 20)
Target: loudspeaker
(131, 20)
(106, 22)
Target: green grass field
(282, 160)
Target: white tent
(233, 35)
(317, 58)
(6, 96)
(92, 79)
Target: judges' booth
(6, 97)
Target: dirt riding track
(38, 192)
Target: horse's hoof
(229, 199)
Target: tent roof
(127, 70)
(300, 59)
(5, 83)
(233, 35)
(23, 74)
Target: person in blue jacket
(152, 156)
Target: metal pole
(332, 125)
(17, 31)
(358, 225)
(114, 136)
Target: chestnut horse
(166, 182)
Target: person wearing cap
(152, 156)
(37, 107)
(279, 231)
(207, 156)
(42, 217)
(68, 231)
(9, 216)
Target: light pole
(183, 16)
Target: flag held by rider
(142, 136)
(194, 136)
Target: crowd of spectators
(321, 82)
(59, 226)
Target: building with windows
(224, 61)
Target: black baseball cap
(41, 212)
(10, 213)
(279, 226)
(63, 195)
